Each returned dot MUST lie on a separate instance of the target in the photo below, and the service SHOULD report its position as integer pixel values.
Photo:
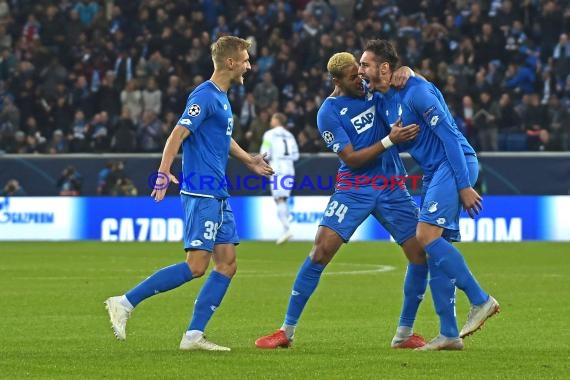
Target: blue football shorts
(394, 209)
(440, 204)
(207, 222)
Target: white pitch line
(376, 269)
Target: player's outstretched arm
(256, 163)
(400, 77)
(171, 148)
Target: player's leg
(397, 212)
(283, 215)
(439, 222)
(415, 284)
(281, 194)
(443, 297)
(327, 242)
(170, 277)
(214, 289)
(344, 213)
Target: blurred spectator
(558, 125)
(108, 96)
(265, 93)
(9, 113)
(124, 135)
(173, 99)
(12, 188)
(561, 55)
(485, 122)
(468, 113)
(152, 97)
(149, 133)
(256, 130)
(535, 122)
(99, 133)
(125, 188)
(306, 143)
(519, 78)
(57, 58)
(248, 113)
(78, 133)
(57, 144)
(510, 120)
(87, 11)
(102, 187)
(114, 181)
(131, 98)
(70, 182)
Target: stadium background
(92, 77)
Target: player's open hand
(400, 77)
(471, 201)
(259, 165)
(161, 185)
(400, 134)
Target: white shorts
(282, 185)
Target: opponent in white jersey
(280, 146)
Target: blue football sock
(443, 295)
(452, 263)
(161, 281)
(209, 298)
(305, 284)
(415, 285)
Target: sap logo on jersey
(364, 121)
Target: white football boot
(118, 314)
(478, 315)
(200, 343)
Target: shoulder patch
(194, 110)
(328, 137)
(428, 111)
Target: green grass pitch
(54, 326)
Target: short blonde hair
(226, 47)
(338, 62)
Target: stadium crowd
(113, 75)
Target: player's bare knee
(227, 269)
(322, 253)
(198, 270)
(426, 233)
(423, 238)
(414, 251)
(198, 265)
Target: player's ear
(230, 63)
(335, 81)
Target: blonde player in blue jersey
(204, 131)
(350, 127)
(450, 170)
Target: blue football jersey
(420, 102)
(208, 116)
(344, 120)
